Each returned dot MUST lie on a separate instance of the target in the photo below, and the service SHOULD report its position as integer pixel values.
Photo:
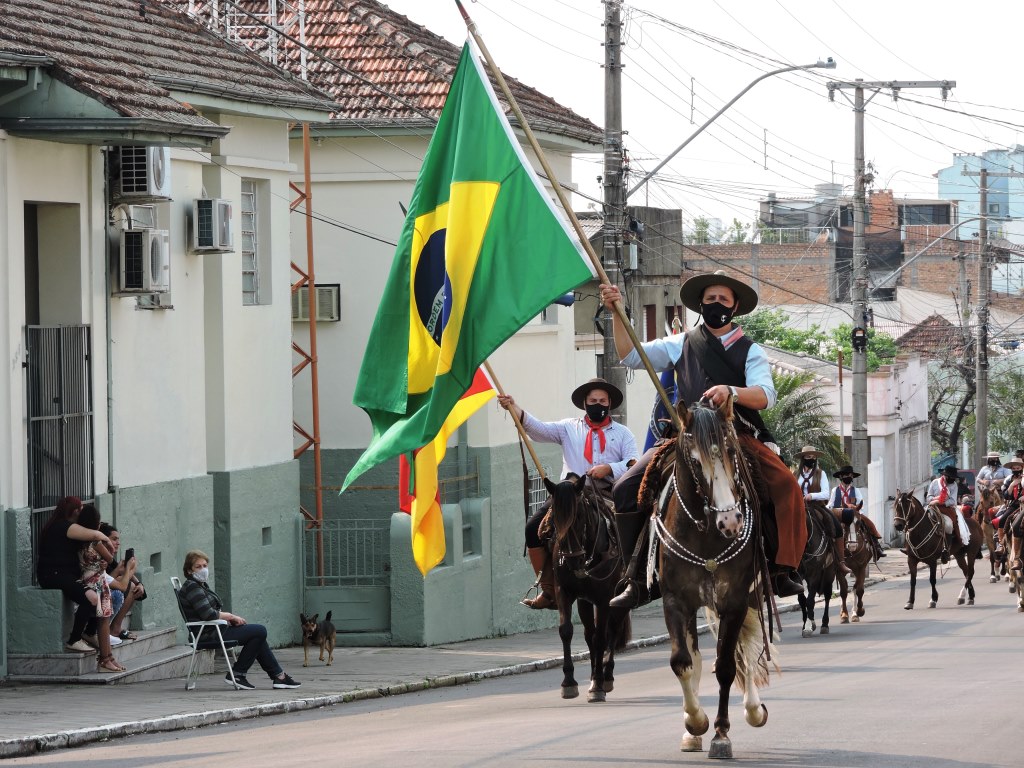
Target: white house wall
(248, 348)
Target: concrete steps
(154, 656)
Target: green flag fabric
(482, 252)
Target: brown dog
(320, 633)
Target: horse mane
(563, 505)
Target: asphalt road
(914, 689)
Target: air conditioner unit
(143, 172)
(135, 216)
(212, 226)
(145, 261)
(328, 304)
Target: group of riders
(714, 362)
(1007, 483)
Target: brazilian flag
(483, 251)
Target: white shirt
(572, 435)
(837, 497)
(806, 479)
(935, 489)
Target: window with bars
(250, 243)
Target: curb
(47, 742)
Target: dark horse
(922, 530)
(587, 566)
(859, 552)
(818, 565)
(707, 522)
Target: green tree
(769, 326)
(737, 232)
(701, 231)
(1006, 409)
(801, 417)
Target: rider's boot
(944, 554)
(840, 546)
(879, 552)
(630, 526)
(785, 581)
(540, 559)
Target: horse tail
(751, 656)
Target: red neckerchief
(595, 429)
(944, 493)
(848, 497)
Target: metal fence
(356, 553)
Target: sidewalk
(37, 718)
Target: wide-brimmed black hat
(692, 292)
(950, 470)
(847, 470)
(580, 393)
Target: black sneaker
(285, 682)
(240, 682)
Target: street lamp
(828, 64)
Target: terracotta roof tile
(389, 70)
(117, 51)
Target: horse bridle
(580, 551)
(735, 546)
(901, 514)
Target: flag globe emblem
(432, 288)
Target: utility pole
(984, 296)
(614, 197)
(860, 453)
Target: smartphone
(129, 555)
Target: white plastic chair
(198, 643)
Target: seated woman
(58, 566)
(125, 588)
(200, 603)
(93, 557)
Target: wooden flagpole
(515, 417)
(535, 145)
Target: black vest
(693, 380)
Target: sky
(685, 60)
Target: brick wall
(785, 274)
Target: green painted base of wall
(257, 557)
(468, 596)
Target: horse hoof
(970, 601)
(856, 619)
(908, 607)
(844, 619)
(960, 601)
(931, 603)
(691, 743)
(698, 728)
(824, 631)
(1020, 609)
(762, 711)
(721, 748)
(1013, 589)
(595, 696)
(570, 691)
(609, 685)
(992, 579)
(813, 626)
(806, 633)
(860, 612)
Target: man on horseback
(814, 484)
(594, 447)
(993, 473)
(1012, 491)
(717, 362)
(846, 504)
(943, 493)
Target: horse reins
(905, 516)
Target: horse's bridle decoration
(705, 492)
(901, 514)
(578, 550)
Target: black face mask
(810, 462)
(994, 463)
(716, 315)
(596, 412)
(846, 480)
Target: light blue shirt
(665, 353)
(572, 435)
